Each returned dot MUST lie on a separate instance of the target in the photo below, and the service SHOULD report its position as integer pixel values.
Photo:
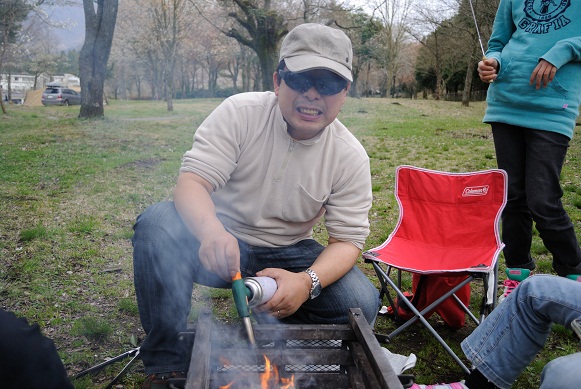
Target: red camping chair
(448, 226)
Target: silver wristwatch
(316, 284)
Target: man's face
(308, 112)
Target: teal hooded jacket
(524, 32)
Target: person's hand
(542, 74)
(293, 291)
(488, 69)
(220, 254)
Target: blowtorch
(250, 292)
(241, 301)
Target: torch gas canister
(261, 290)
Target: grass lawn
(71, 189)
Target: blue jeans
(533, 160)
(562, 372)
(512, 335)
(166, 265)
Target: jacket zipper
(284, 163)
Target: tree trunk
(99, 29)
(1, 91)
(9, 85)
(2, 102)
(123, 83)
(467, 85)
(439, 83)
(466, 94)
(266, 29)
(267, 66)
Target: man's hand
(294, 288)
(293, 291)
(219, 253)
(542, 74)
(488, 69)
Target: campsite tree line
(167, 49)
(220, 47)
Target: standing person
(508, 340)
(533, 63)
(263, 169)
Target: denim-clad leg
(533, 160)
(562, 372)
(165, 261)
(512, 335)
(166, 266)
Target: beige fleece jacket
(270, 190)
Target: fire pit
(289, 356)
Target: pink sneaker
(514, 277)
(509, 286)
(455, 385)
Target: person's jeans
(533, 160)
(512, 335)
(166, 264)
(562, 372)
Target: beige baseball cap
(316, 46)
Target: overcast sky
(74, 36)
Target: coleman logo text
(475, 191)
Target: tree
(452, 49)
(443, 45)
(390, 41)
(131, 50)
(40, 54)
(99, 29)
(363, 31)
(12, 14)
(262, 30)
(169, 21)
(478, 15)
(154, 39)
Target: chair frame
(387, 283)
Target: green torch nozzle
(240, 293)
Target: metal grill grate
(312, 368)
(292, 368)
(317, 356)
(314, 343)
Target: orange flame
(270, 376)
(225, 362)
(287, 382)
(267, 377)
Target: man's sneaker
(515, 277)
(174, 379)
(574, 277)
(455, 385)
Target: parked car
(58, 95)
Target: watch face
(316, 291)
(316, 285)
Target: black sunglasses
(327, 86)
